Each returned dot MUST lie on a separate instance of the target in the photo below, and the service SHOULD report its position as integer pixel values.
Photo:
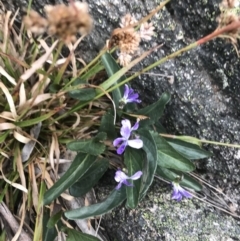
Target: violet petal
(136, 143)
(122, 147)
(118, 141)
(135, 127)
(118, 186)
(120, 176)
(136, 176)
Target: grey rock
(159, 218)
(205, 96)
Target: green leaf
(133, 160)
(4, 136)
(90, 178)
(54, 88)
(150, 165)
(112, 67)
(107, 126)
(171, 175)
(49, 234)
(168, 157)
(34, 121)
(189, 150)
(54, 219)
(115, 198)
(154, 111)
(92, 146)
(85, 94)
(159, 127)
(74, 235)
(78, 168)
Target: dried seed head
(146, 31)
(63, 21)
(66, 21)
(124, 59)
(35, 23)
(126, 39)
(127, 20)
(229, 3)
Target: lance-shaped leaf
(171, 175)
(90, 178)
(133, 160)
(154, 111)
(93, 146)
(54, 219)
(49, 233)
(78, 168)
(115, 198)
(74, 235)
(189, 150)
(107, 126)
(168, 157)
(112, 67)
(150, 163)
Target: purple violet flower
(129, 96)
(124, 141)
(121, 177)
(179, 192)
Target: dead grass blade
(38, 63)
(16, 185)
(6, 126)
(12, 222)
(77, 122)
(32, 177)
(51, 156)
(22, 95)
(28, 148)
(9, 99)
(35, 101)
(21, 138)
(24, 198)
(14, 18)
(7, 115)
(73, 60)
(54, 149)
(6, 31)
(7, 76)
(40, 85)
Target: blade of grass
(9, 100)
(24, 197)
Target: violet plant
(57, 109)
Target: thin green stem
(196, 140)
